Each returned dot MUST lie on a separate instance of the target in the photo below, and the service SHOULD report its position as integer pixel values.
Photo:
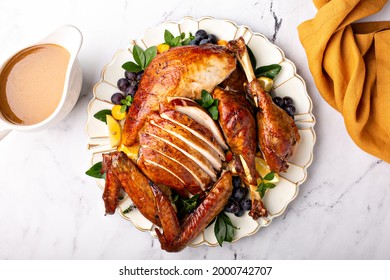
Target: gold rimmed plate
(288, 82)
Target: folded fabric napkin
(350, 63)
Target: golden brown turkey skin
(175, 238)
(181, 71)
(134, 182)
(239, 127)
(277, 131)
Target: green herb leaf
(213, 110)
(96, 171)
(168, 37)
(207, 99)
(251, 57)
(139, 56)
(150, 53)
(270, 185)
(269, 71)
(180, 40)
(123, 108)
(101, 115)
(269, 177)
(190, 204)
(132, 67)
(263, 187)
(224, 229)
(129, 209)
(186, 41)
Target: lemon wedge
(263, 169)
(266, 83)
(114, 130)
(131, 152)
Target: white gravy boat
(70, 38)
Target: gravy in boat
(32, 83)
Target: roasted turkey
(181, 148)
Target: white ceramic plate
(286, 83)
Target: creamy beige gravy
(32, 82)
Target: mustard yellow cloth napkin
(350, 63)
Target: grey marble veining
(49, 209)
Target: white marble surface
(49, 209)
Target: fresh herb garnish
(209, 103)
(269, 71)
(265, 184)
(142, 59)
(224, 228)
(185, 205)
(96, 171)
(180, 40)
(129, 209)
(101, 115)
(126, 103)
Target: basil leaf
(224, 229)
(220, 229)
(261, 189)
(139, 56)
(186, 42)
(251, 57)
(131, 67)
(269, 71)
(213, 110)
(176, 41)
(229, 232)
(123, 108)
(101, 115)
(190, 204)
(150, 53)
(168, 37)
(96, 171)
(269, 177)
(270, 185)
(207, 99)
(182, 35)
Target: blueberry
(239, 213)
(239, 193)
(139, 75)
(287, 101)
(246, 204)
(232, 207)
(290, 109)
(130, 90)
(278, 101)
(195, 42)
(131, 76)
(204, 41)
(122, 84)
(236, 181)
(116, 98)
(201, 34)
(212, 38)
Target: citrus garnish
(117, 113)
(263, 169)
(266, 83)
(131, 152)
(115, 131)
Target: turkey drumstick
(277, 131)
